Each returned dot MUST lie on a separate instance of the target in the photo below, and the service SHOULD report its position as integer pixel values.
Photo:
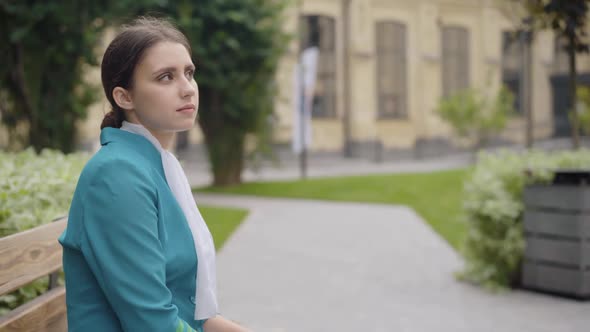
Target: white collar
(141, 130)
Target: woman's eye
(166, 77)
(190, 73)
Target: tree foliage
(568, 19)
(45, 47)
(236, 45)
(473, 116)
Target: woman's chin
(186, 125)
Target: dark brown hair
(124, 54)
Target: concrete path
(310, 266)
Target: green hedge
(493, 207)
(34, 189)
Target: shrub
(493, 207)
(583, 110)
(34, 189)
(473, 116)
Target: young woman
(137, 254)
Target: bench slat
(46, 313)
(29, 255)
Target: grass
(434, 196)
(222, 222)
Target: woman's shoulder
(112, 165)
(108, 181)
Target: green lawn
(435, 196)
(222, 222)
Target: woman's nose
(188, 88)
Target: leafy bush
(493, 207)
(34, 189)
(583, 110)
(473, 116)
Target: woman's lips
(187, 109)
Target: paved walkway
(310, 266)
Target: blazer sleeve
(122, 248)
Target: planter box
(557, 235)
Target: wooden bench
(26, 257)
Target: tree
(475, 117)
(524, 35)
(237, 45)
(568, 19)
(44, 48)
(582, 111)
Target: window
(512, 53)
(455, 59)
(391, 70)
(320, 31)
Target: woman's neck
(166, 138)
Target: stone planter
(557, 235)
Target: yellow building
(385, 64)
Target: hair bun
(111, 120)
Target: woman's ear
(123, 98)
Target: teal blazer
(128, 253)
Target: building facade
(384, 65)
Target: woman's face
(164, 95)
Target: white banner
(308, 63)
